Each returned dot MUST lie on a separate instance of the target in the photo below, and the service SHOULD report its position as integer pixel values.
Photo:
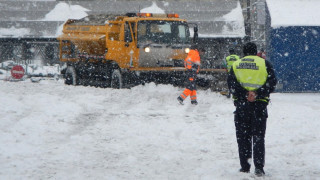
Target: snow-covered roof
(45, 18)
(294, 12)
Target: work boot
(180, 100)
(259, 172)
(244, 170)
(194, 102)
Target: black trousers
(191, 84)
(250, 122)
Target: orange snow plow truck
(120, 51)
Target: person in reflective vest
(251, 80)
(192, 64)
(229, 61)
(231, 58)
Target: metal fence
(30, 50)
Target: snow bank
(16, 32)
(294, 12)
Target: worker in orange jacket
(192, 64)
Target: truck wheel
(116, 79)
(105, 80)
(70, 76)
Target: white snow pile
(63, 12)
(235, 18)
(294, 12)
(153, 9)
(49, 130)
(234, 26)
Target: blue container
(295, 55)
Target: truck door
(130, 48)
(121, 44)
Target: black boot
(244, 170)
(259, 172)
(180, 100)
(194, 102)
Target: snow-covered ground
(49, 130)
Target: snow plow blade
(214, 79)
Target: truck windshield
(163, 32)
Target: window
(182, 32)
(163, 32)
(127, 33)
(133, 29)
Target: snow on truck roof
(294, 12)
(45, 18)
(95, 19)
(102, 19)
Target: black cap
(194, 46)
(232, 51)
(250, 48)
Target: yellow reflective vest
(230, 60)
(251, 72)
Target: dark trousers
(250, 122)
(191, 89)
(191, 80)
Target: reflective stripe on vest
(192, 58)
(188, 63)
(251, 72)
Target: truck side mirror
(195, 29)
(195, 36)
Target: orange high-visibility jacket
(192, 58)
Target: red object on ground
(17, 72)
